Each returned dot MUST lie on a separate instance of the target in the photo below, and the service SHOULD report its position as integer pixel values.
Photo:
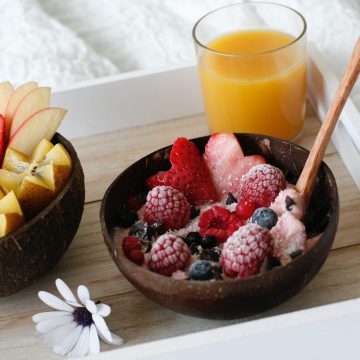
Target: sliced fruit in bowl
(11, 215)
(36, 179)
(42, 186)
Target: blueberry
(194, 249)
(126, 217)
(230, 199)
(194, 212)
(193, 238)
(264, 217)
(209, 241)
(201, 270)
(210, 254)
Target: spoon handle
(308, 175)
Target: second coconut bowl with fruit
(213, 227)
(41, 186)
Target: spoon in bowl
(307, 177)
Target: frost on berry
(261, 185)
(169, 254)
(245, 251)
(167, 205)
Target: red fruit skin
(188, 174)
(169, 254)
(136, 256)
(167, 205)
(245, 251)
(245, 209)
(261, 185)
(226, 162)
(219, 222)
(132, 249)
(2, 138)
(134, 203)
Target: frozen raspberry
(169, 254)
(167, 205)
(245, 251)
(261, 185)
(219, 222)
(245, 209)
(132, 249)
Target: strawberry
(188, 174)
(227, 163)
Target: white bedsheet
(61, 42)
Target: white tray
(143, 97)
(328, 332)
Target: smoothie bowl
(222, 234)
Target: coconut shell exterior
(31, 251)
(238, 297)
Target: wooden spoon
(308, 175)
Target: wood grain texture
(135, 317)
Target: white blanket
(61, 42)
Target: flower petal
(55, 336)
(116, 340)
(68, 342)
(48, 315)
(103, 310)
(50, 324)
(83, 293)
(82, 346)
(90, 305)
(102, 328)
(94, 343)
(54, 302)
(74, 304)
(65, 291)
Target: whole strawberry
(169, 254)
(261, 185)
(219, 222)
(188, 174)
(168, 206)
(245, 251)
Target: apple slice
(14, 102)
(2, 138)
(41, 125)
(31, 103)
(6, 90)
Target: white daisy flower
(74, 328)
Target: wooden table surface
(134, 317)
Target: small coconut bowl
(235, 298)
(35, 248)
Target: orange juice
(254, 81)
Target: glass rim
(299, 37)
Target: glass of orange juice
(252, 66)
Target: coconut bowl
(35, 248)
(235, 298)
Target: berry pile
(213, 215)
